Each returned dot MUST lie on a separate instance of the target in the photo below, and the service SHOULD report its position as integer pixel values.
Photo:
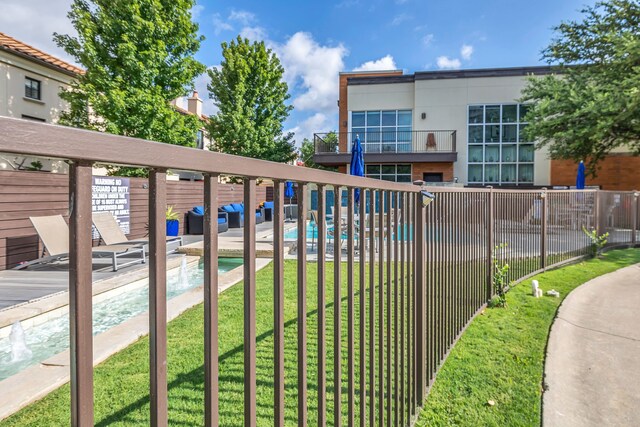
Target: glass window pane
(388, 118)
(404, 178)
(492, 133)
(510, 113)
(388, 135)
(509, 153)
(492, 114)
(403, 148)
(357, 118)
(404, 134)
(389, 147)
(525, 173)
(476, 114)
(372, 147)
(523, 111)
(475, 134)
(508, 173)
(373, 169)
(389, 178)
(373, 134)
(389, 169)
(492, 153)
(521, 135)
(475, 173)
(491, 173)
(404, 118)
(509, 133)
(475, 154)
(360, 132)
(373, 118)
(525, 153)
(406, 169)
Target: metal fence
(413, 278)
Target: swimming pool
(52, 337)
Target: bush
(597, 241)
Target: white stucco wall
(445, 103)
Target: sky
(315, 40)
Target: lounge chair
(54, 233)
(112, 234)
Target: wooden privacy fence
(24, 194)
(415, 275)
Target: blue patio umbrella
(357, 163)
(580, 178)
(288, 193)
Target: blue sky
(317, 39)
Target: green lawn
(121, 382)
(500, 356)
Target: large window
(498, 152)
(32, 88)
(387, 131)
(396, 173)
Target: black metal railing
(391, 141)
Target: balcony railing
(417, 141)
(418, 277)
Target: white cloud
(318, 122)
(466, 51)
(254, 33)
(311, 69)
(427, 39)
(220, 25)
(34, 22)
(385, 63)
(446, 63)
(399, 19)
(242, 16)
(196, 11)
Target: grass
(121, 382)
(500, 356)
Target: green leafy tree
(138, 56)
(250, 93)
(593, 106)
(307, 150)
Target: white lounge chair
(112, 234)
(54, 233)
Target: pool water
(52, 337)
(312, 233)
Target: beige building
(30, 81)
(440, 126)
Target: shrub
(597, 241)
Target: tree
(138, 56)
(250, 93)
(307, 150)
(594, 106)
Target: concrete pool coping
(35, 382)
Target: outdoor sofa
(195, 221)
(268, 211)
(236, 214)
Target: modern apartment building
(461, 126)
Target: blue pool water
(312, 233)
(52, 337)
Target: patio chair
(112, 234)
(54, 233)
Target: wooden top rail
(46, 140)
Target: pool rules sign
(111, 194)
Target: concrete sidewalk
(592, 370)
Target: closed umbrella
(288, 193)
(580, 178)
(357, 163)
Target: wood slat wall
(24, 194)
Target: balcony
(393, 146)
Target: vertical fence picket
(249, 264)
(278, 302)
(302, 304)
(322, 318)
(337, 312)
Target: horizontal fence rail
(395, 284)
